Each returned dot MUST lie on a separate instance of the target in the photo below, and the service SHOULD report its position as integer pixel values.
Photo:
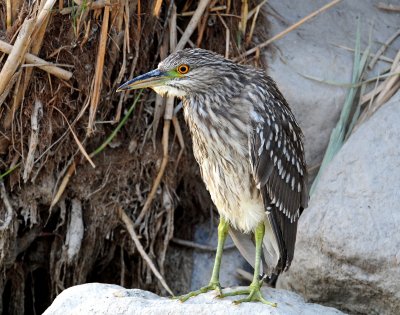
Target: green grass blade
(338, 133)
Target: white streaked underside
(232, 196)
(230, 183)
(236, 197)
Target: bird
(250, 152)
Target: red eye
(183, 69)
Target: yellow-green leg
(254, 292)
(214, 284)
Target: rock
(312, 50)
(348, 247)
(203, 262)
(102, 299)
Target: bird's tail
(245, 245)
(272, 254)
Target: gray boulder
(312, 50)
(107, 299)
(348, 246)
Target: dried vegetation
(94, 184)
(91, 179)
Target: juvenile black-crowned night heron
(250, 151)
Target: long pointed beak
(147, 80)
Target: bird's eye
(183, 69)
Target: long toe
(210, 287)
(255, 295)
(237, 292)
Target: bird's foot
(253, 295)
(211, 286)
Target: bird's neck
(215, 120)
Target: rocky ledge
(101, 299)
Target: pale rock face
(348, 245)
(312, 50)
(107, 299)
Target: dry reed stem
(179, 135)
(17, 53)
(190, 43)
(4, 224)
(253, 26)
(173, 36)
(79, 143)
(168, 206)
(44, 15)
(192, 24)
(9, 15)
(227, 35)
(383, 48)
(175, 122)
(157, 181)
(159, 102)
(157, 8)
(98, 77)
(168, 116)
(243, 18)
(201, 27)
(388, 7)
(127, 24)
(389, 83)
(137, 49)
(254, 10)
(370, 95)
(228, 6)
(383, 58)
(288, 30)
(39, 63)
(125, 50)
(36, 46)
(9, 86)
(130, 228)
(199, 246)
(86, 33)
(210, 10)
(71, 169)
(388, 88)
(36, 116)
(203, 23)
(158, 111)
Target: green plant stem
(120, 125)
(9, 171)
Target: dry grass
(365, 96)
(61, 62)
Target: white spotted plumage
(247, 143)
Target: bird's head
(186, 72)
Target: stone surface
(312, 50)
(102, 299)
(203, 261)
(348, 247)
